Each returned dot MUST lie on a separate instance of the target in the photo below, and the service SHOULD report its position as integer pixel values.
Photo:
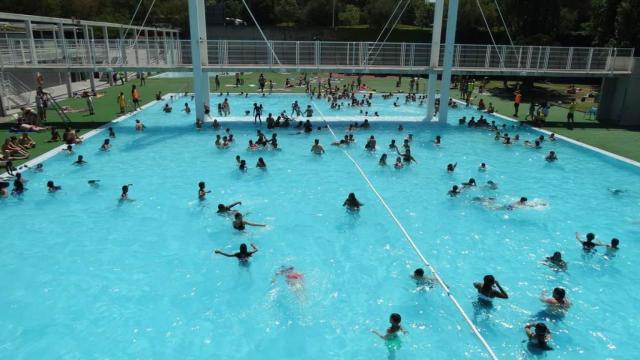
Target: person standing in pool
(316, 148)
(125, 193)
(202, 192)
(391, 338)
(555, 261)
(352, 202)
(558, 299)
(80, 161)
(239, 223)
(539, 335)
(243, 255)
(488, 289)
(588, 244)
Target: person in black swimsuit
(243, 255)
(225, 209)
(239, 223)
(588, 244)
(488, 289)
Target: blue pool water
(86, 277)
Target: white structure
(435, 58)
(199, 56)
(445, 84)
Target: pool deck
(622, 142)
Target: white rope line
(261, 33)
(385, 27)
(413, 245)
(490, 34)
(389, 33)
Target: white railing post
(297, 53)
(32, 43)
(569, 58)
(615, 54)
(487, 58)
(402, 54)
(316, 53)
(546, 58)
(589, 57)
(520, 58)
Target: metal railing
(314, 54)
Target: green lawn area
(620, 141)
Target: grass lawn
(620, 141)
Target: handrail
(338, 55)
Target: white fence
(365, 56)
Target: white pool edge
(51, 153)
(40, 158)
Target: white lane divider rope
(408, 237)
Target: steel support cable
(506, 29)
(413, 245)
(385, 27)
(127, 29)
(490, 34)
(390, 31)
(261, 33)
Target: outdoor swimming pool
(87, 277)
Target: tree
(627, 25)
(379, 11)
(423, 13)
(317, 13)
(286, 11)
(350, 15)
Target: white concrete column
(445, 84)
(107, 53)
(90, 56)
(197, 27)
(65, 55)
(435, 58)
(32, 43)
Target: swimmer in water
(437, 140)
(614, 246)
(588, 244)
(94, 183)
(317, 148)
(105, 145)
(239, 223)
(539, 335)
(455, 191)
(243, 165)
(491, 185)
(470, 183)
(51, 187)
(392, 145)
(393, 331)
(483, 167)
(555, 261)
(383, 160)
(557, 301)
(616, 191)
(398, 164)
(243, 255)
(226, 209)
(80, 161)
(421, 280)
(202, 192)
(112, 134)
(261, 164)
(125, 193)
(451, 167)
(551, 156)
(352, 203)
(406, 157)
(489, 289)
(139, 125)
(292, 277)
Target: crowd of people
(538, 333)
